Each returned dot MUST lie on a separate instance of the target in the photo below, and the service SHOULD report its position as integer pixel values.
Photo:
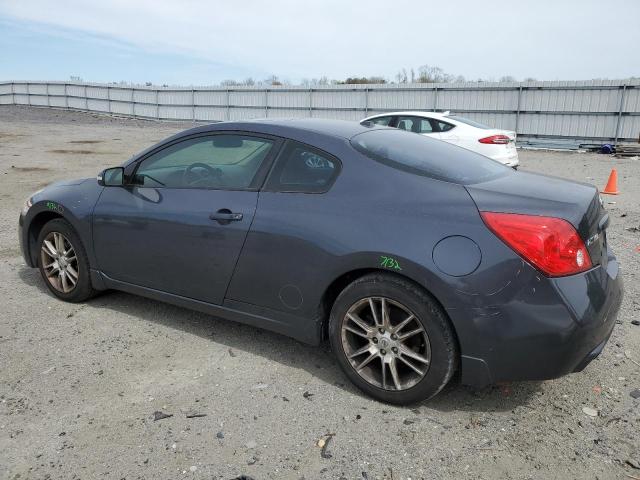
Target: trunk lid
(537, 194)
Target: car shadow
(318, 361)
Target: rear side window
(444, 127)
(428, 157)
(384, 121)
(302, 168)
(415, 124)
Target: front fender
(73, 201)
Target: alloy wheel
(59, 262)
(385, 343)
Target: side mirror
(111, 177)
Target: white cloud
(545, 39)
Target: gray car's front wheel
(63, 262)
(392, 339)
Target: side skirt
(302, 329)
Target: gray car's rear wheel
(63, 262)
(392, 339)
(385, 343)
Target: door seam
(235, 266)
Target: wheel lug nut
(375, 339)
(381, 330)
(394, 336)
(394, 349)
(383, 352)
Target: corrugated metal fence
(598, 110)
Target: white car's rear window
(468, 121)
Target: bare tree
(272, 80)
(363, 80)
(424, 74)
(401, 76)
(431, 74)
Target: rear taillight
(550, 244)
(495, 140)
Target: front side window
(225, 161)
(415, 124)
(301, 168)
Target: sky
(192, 42)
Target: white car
(499, 145)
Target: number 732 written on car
(389, 262)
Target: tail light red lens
(495, 140)
(551, 244)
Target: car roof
(300, 129)
(414, 113)
(289, 127)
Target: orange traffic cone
(612, 184)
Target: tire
(403, 299)
(82, 289)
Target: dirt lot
(79, 383)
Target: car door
(179, 222)
(284, 249)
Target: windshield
(468, 122)
(427, 157)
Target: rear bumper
(593, 354)
(509, 159)
(562, 332)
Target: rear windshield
(427, 157)
(468, 121)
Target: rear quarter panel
(300, 243)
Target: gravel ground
(79, 384)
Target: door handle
(225, 216)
